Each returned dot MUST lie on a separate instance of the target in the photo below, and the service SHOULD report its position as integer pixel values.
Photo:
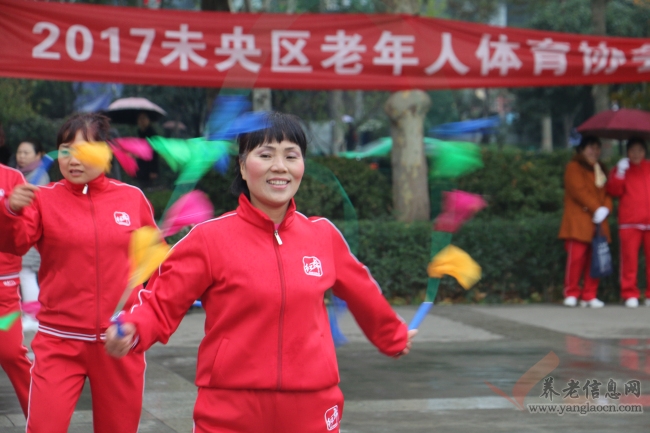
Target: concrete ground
(464, 359)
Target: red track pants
(13, 355)
(61, 366)
(257, 411)
(578, 264)
(631, 240)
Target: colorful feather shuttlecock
(222, 164)
(147, 251)
(31, 308)
(458, 207)
(457, 263)
(192, 208)
(225, 110)
(193, 158)
(453, 159)
(246, 122)
(138, 147)
(7, 321)
(127, 162)
(96, 154)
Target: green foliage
(522, 260)
(368, 190)
(517, 183)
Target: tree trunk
(600, 92)
(547, 133)
(213, 5)
(262, 96)
(335, 109)
(406, 111)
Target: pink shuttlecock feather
(192, 208)
(127, 162)
(458, 208)
(137, 147)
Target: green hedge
(522, 260)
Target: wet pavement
(471, 370)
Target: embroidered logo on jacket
(312, 266)
(122, 218)
(10, 283)
(332, 417)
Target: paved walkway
(442, 385)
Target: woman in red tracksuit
(267, 362)
(81, 226)
(13, 355)
(630, 181)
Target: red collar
(255, 216)
(98, 184)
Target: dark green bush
(517, 183)
(522, 259)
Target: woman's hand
(409, 343)
(600, 215)
(119, 346)
(21, 196)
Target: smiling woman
(267, 363)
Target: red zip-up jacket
(10, 264)
(263, 293)
(633, 190)
(82, 233)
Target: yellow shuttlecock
(96, 154)
(147, 251)
(457, 263)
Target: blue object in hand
(118, 323)
(420, 315)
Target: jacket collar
(255, 216)
(100, 183)
(583, 163)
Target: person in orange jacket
(82, 228)
(267, 363)
(13, 354)
(630, 182)
(586, 206)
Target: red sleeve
(19, 231)
(355, 285)
(146, 213)
(181, 279)
(615, 185)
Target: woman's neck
(276, 214)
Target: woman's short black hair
(92, 125)
(36, 145)
(636, 141)
(588, 140)
(279, 127)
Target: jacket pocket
(218, 360)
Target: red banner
(78, 42)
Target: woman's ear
(242, 168)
